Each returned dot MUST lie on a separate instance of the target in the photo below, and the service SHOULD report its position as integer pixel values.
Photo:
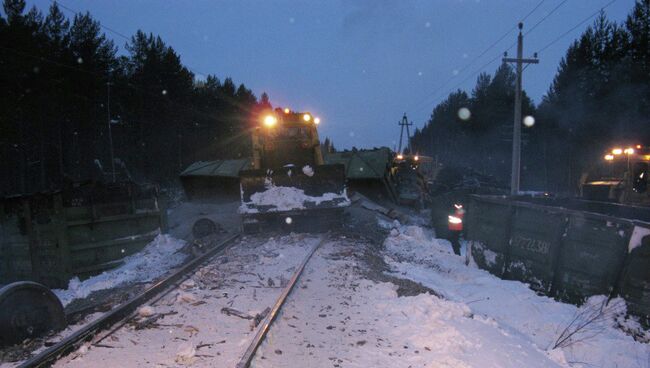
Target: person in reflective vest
(455, 226)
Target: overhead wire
(576, 26)
(545, 17)
(477, 71)
(475, 59)
(101, 25)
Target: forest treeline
(63, 80)
(60, 78)
(599, 98)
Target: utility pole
(516, 133)
(110, 132)
(404, 123)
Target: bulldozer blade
(289, 198)
(321, 180)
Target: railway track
(118, 315)
(104, 327)
(264, 327)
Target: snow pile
(339, 318)
(278, 199)
(512, 306)
(413, 242)
(150, 263)
(186, 298)
(186, 354)
(480, 250)
(307, 170)
(146, 311)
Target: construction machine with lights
(621, 177)
(411, 183)
(285, 184)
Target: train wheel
(28, 309)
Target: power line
(576, 26)
(473, 74)
(545, 17)
(477, 71)
(532, 11)
(58, 3)
(475, 59)
(425, 99)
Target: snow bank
(338, 318)
(513, 306)
(413, 242)
(153, 261)
(287, 198)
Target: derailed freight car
(48, 238)
(565, 248)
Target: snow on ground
(159, 256)
(512, 307)
(191, 327)
(336, 317)
(278, 198)
(153, 261)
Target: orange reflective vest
(455, 221)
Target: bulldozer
(622, 177)
(285, 184)
(412, 188)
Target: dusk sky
(359, 65)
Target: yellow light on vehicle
(286, 110)
(400, 157)
(416, 158)
(617, 151)
(316, 121)
(270, 121)
(629, 151)
(638, 146)
(609, 157)
(306, 117)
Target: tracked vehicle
(288, 185)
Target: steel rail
(72, 342)
(246, 359)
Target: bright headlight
(270, 120)
(306, 117)
(455, 220)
